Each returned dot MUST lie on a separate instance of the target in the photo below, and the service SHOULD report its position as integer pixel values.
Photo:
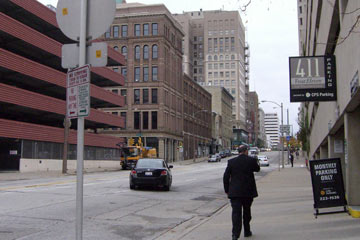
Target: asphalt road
(44, 209)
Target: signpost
(82, 20)
(328, 185)
(312, 79)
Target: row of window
(141, 119)
(141, 96)
(117, 31)
(137, 51)
(221, 57)
(221, 41)
(221, 49)
(144, 77)
(221, 66)
(221, 32)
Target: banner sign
(312, 79)
(327, 183)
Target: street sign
(288, 138)
(78, 92)
(68, 17)
(312, 78)
(285, 129)
(96, 55)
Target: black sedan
(151, 172)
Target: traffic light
(131, 142)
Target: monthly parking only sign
(78, 92)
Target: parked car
(235, 152)
(253, 153)
(227, 152)
(214, 158)
(263, 160)
(218, 156)
(151, 172)
(222, 154)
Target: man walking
(240, 186)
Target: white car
(235, 152)
(214, 158)
(263, 160)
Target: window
(116, 48)
(136, 120)
(145, 118)
(210, 66)
(124, 30)
(123, 115)
(145, 95)
(153, 120)
(123, 93)
(124, 51)
(154, 95)
(115, 31)
(232, 73)
(215, 58)
(233, 83)
(209, 58)
(154, 51)
(116, 91)
(136, 74)
(108, 33)
(216, 66)
(154, 73)
(232, 57)
(146, 74)
(137, 30)
(146, 29)
(115, 69)
(232, 40)
(124, 72)
(137, 96)
(137, 52)
(154, 29)
(232, 65)
(146, 52)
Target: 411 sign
(78, 92)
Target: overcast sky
(272, 35)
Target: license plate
(148, 173)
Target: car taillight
(133, 172)
(164, 173)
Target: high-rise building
(215, 54)
(272, 128)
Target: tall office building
(215, 54)
(272, 129)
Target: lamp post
(194, 114)
(282, 133)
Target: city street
(44, 208)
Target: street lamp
(194, 114)
(282, 132)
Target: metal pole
(67, 124)
(282, 138)
(80, 130)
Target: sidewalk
(283, 210)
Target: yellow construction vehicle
(129, 155)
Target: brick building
(33, 94)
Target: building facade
(166, 108)
(252, 120)
(197, 124)
(216, 54)
(221, 104)
(272, 129)
(33, 96)
(262, 132)
(334, 130)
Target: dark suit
(240, 185)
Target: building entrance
(10, 154)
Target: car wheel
(167, 188)
(132, 186)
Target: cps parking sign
(312, 78)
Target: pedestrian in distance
(292, 159)
(240, 186)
